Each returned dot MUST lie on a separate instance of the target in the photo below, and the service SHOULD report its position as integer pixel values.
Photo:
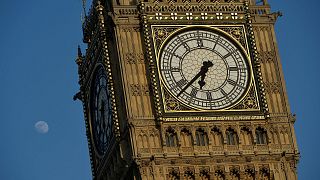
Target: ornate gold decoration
(193, 6)
(255, 59)
(145, 90)
(171, 104)
(237, 33)
(250, 102)
(160, 34)
(125, 11)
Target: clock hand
(103, 115)
(202, 73)
(204, 70)
(192, 80)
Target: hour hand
(201, 82)
(203, 71)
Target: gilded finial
(79, 51)
(84, 2)
(99, 6)
(79, 58)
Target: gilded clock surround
(100, 92)
(168, 106)
(157, 30)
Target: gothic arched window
(217, 137)
(264, 173)
(261, 136)
(201, 137)
(189, 175)
(246, 136)
(250, 174)
(232, 138)
(186, 138)
(204, 174)
(171, 138)
(174, 175)
(235, 174)
(220, 175)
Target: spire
(79, 51)
(83, 15)
(79, 58)
(84, 2)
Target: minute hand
(192, 81)
(203, 71)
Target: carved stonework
(194, 6)
(173, 173)
(131, 29)
(125, 11)
(135, 90)
(139, 90)
(272, 87)
(262, 28)
(267, 56)
(145, 90)
(249, 173)
(134, 58)
(164, 137)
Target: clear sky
(38, 78)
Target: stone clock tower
(185, 89)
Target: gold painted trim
(213, 118)
(244, 51)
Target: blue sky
(38, 78)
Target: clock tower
(185, 89)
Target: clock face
(101, 112)
(204, 69)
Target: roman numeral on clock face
(182, 82)
(225, 94)
(209, 96)
(233, 69)
(232, 82)
(184, 44)
(216, 42)
(229, 54)
(175, 69)
(199, 42)
(193, 93)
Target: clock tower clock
(185, 89)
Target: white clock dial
(204, 69)
(101, 111)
